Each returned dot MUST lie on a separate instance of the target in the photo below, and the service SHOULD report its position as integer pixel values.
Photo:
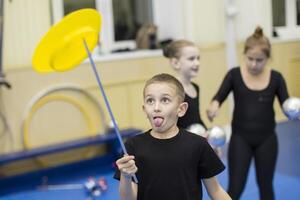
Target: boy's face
(162, 106)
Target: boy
(169, 162)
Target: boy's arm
(128, 188)
(215, 190)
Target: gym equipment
(67, 44)
(197, 129)
(291, 108)
(216, 136)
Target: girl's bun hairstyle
(258, 39)
(172, 50)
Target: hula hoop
(49, 95)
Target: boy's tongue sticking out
(158, 121)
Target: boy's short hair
(169, 79)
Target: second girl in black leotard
(254, 88)
(184, 58)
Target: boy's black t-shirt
(172, 168)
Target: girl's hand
(127, 166)
(212, 110)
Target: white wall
(253, 13)
(209, 19)
(25, 22)
(164, 11)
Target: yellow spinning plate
(62, 46)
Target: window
(129, 15)
(278, 7)
(286, 18)
(298, 12)
(121, 19)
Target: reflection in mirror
(129, 16)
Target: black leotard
(253, 131)
(192, 115)
(253, 110)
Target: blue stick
(107, 103)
